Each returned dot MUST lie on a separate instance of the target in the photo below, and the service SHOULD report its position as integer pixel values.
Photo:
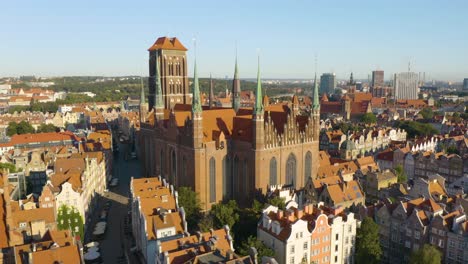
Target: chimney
(158, 247)
(200, 237)
(279, 214)
(299, 214)
(164, 218)
(291, 216)
(253, 255)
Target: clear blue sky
(51, 38)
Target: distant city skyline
(111, 38)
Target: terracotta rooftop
(345, 192)
(166, 43)
(193, 246)
(55, 247)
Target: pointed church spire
(316, 104)
(258, 93)
(158, 100)
(196, 104)
(211, 97)
(236, 89)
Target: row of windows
(291, 169)
(228, 171)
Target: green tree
(262, 249)
(369, 118)
(367, 242)
(401, 174)
(278, 202)
(427, 113)
(225, 214)
(414, 128)
(190, 201)
(9, 166)
(24, 128)
(452, 150)
(11, 129)
(44, 128)
(205, 223)
(428, 254)
(68, 218)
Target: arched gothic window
(227, 177)
(173, 167)
(291, 170)
(212, 180)
(161, 162)
(236, 175)
(308, 166)
(273, 172)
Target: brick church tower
(170, 56)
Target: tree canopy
(262, 249)
(44, 128)
(428, 254)
(9, 166)
(401, 174)
(225, 214)
(69, 218)
(367, 242)
(22, 127)
(369, 118)
(427, 113)
(414, 128)
(189, 200)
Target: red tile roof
(166, 43)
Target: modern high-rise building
(377, 79)
(465, 84)
(406, 85)
(327, 83)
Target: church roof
(167, 43)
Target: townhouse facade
(310, 235)
(156, 215)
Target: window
(417, 234)
(408, 244)
(308, 166)
(273, 174)
(347, 240)
(173, 167)
(305, 245)
(291, 170)
(236, 175)
(292, 260)
(336, 247)
(350, 228)
(227, 179)
(441, 243)
(292, 249)
(212, 180)
(408, 232)
(337, 236)
(161, 163)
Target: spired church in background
(222, 153)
